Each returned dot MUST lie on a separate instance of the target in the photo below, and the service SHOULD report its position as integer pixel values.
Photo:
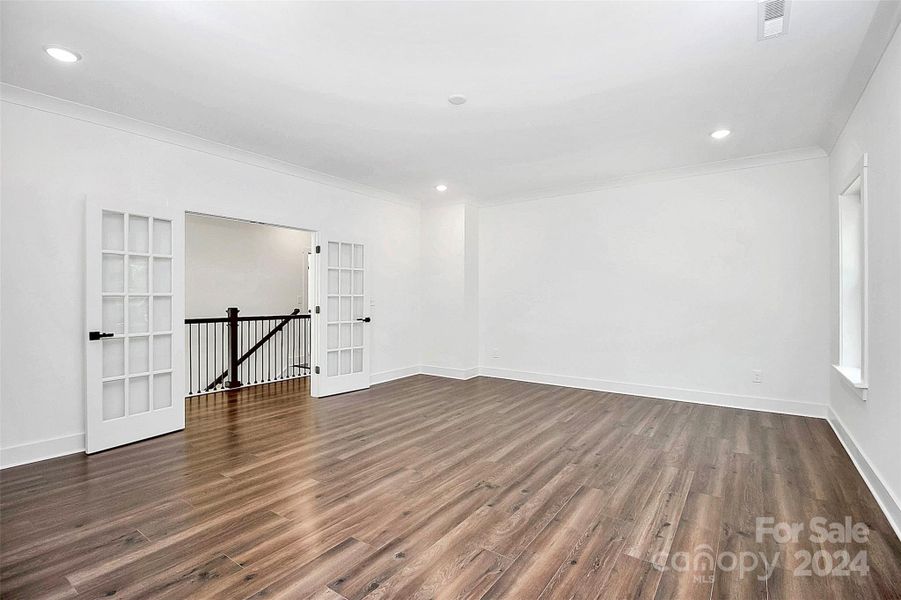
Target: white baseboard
(386, 376)
(42, 450)
(449, 372)
(887, 501)
(759, 403)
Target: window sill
(853, 378)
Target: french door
(134, 338)
(341, 320)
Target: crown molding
(12, 94)
(710, 168)
(37, 101)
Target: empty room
(450, 300)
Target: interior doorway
(248, 292)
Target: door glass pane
(345, 281)
(358, 256)
(138, 272)
(162, 237)
(113, 357)
(138, 234)
(138, 395)
(345, 336)
(333, 281)
(138, 315)
(357, 334)
(162, 275)
(332, 364)
(332, 309)
(333, 254)
(113, 319)
(162, 352)
(332, 336)
(113, 273)
(113, 399)
(138, 355)
(162, 314)
(358, 308)
(345, 309)
(162, 390)
(113, 229)
(358, 282)
(358, 360)
(345, 362)
(346, 255)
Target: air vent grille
(772, 18)
(773, 9)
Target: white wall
(450, 289)
(674, 288)
(51, 162)
(872, 428)
(261, 269)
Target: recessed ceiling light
(62, 55)
(441, 187)
(720, 134)
(457, 99)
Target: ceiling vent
(772, 18)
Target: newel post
(233, 350)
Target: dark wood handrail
(201, 320)
(285, 320)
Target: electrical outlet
(495, 353)
(756, 376)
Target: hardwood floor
(435, 488)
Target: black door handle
(96, 335)
(365, 319)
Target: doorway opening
(248, 293)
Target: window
(852, 209)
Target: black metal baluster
(190, 352)
(197, 335)
(224, 357)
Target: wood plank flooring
(434, 488)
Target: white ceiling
(561, 95)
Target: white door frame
(312, 282)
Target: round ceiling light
(720, 134)
(457, 99)
(62, 55)
(441, 187)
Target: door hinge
(318, 249)
(317, 309)
(317, 370)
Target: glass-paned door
(134, 306)
(343, 322)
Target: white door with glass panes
(342, 323)
(134, 336)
